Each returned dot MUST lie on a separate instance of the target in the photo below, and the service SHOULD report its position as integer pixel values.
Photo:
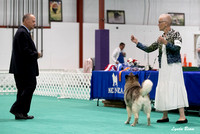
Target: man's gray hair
(26, 16)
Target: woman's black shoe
(181, 122)
(163, 120)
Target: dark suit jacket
(24, 54)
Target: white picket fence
(56, 83)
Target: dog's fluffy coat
(136, 98)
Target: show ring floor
(70, 116)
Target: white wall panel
(5, 48)
(61, 47)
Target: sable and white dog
(137, 98)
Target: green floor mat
(70, 116)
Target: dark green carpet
(63, 116)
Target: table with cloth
(110, 84)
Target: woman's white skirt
(170, 91)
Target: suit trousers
(26, 85)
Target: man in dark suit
(24, 66)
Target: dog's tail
(146, 87)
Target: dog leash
(152, 67)
(154, 62)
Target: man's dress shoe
(20, 116)
(29, 117)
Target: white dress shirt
(116, 53)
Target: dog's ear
(137, 76)
(126, 76)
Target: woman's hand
(161, 40)
(134, 40)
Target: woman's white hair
(167, 18)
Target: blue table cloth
(106, 85)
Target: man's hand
(198, 50)
(134, 40)
(39, 55)
(124, 54)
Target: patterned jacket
(173, 47)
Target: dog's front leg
(129, 112)
(136, 116)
